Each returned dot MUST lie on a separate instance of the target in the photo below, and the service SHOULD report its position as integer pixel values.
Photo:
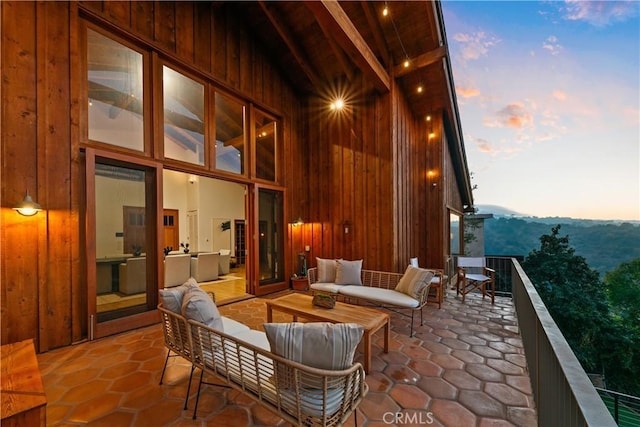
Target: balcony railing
(563, 393)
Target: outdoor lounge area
(464, 366)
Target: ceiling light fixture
(338, 104)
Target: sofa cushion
(232, 327)
(198, 306)
(320, 345)
(330, 288)
(326, 270)
(171, 298)
(348, 272)
(380, 295)
(414, 280)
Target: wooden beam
(345, 63)
(334, 20)
(291, 43)
(421, 61)
(376, 30)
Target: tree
(623, 290)
(576, 299)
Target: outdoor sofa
(241, 358)
(347, 280)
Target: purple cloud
(599, 13)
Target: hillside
(604, 244)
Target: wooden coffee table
(299, 305)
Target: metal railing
(563, 393)
(624, 408)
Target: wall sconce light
(28, 207)
(431, 176)
(297, 222)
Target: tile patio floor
(464, 367)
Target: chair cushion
(348, 272)
(413, 281)
(326, 270)
(198, 306)
(380, 295)
(171, 298)
(321, 345)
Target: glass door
(121, 242)
(268, 242)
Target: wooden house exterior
(377, 181)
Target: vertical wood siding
(365, 171)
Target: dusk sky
(549, 100)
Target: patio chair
(474, 274)
(437, 282)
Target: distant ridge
(498, 211)
(502, 212)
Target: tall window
(454, 234)
(265, 145)
(184, 113)
(230, 146)
(115, 92)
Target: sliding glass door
(121, 242)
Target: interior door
(171, 224)
(133, 220)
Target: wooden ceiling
(319, 43)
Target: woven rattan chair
(176, 338)
(301, 395)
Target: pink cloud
(484, 145)
(467, 92)
(551, 44)
(599, 13)
(559, 95)
(513, 115)
(475, 45)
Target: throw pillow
(326, 270)
(348, 272)
(198, 306)
(171, 298)
(320, 345)
(413, 281)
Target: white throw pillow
(171, 298)
(348, 272)
(198, 306)
(320, 345)
(413, 281)
(326, 270)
